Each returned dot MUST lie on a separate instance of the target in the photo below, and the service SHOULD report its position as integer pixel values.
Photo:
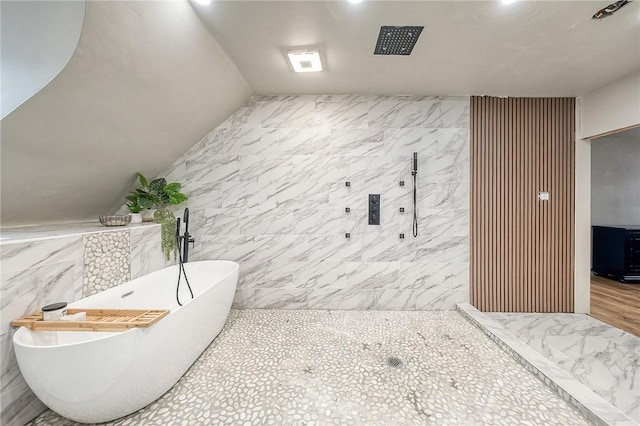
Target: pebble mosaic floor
(341, 368)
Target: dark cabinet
(616, 252)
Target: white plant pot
(147, 215)
(136, 217)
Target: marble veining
(146, 253)
(593, 406)
(229, 168)
(356, 142)
(267, 187)
(602, 357)
(248, 140)
(36, 271)
(311, 141)
(26, 234)
(290, 113)
(46, 264)
(332, 368)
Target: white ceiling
(529, 48)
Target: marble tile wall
(267, 189)
(45, 270)
(146, 254)
(34, 274)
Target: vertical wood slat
(521, 249)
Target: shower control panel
(374, 209)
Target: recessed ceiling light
(355, 1)
(204, 2)
(305, 60)
(508, 1)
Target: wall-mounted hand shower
(184, 256)
(186, 238)
(414, 173)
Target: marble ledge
(23, 234)
(592, 406)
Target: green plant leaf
(173, 187)
(147, 201)
(143, 180)
(134, 207)
(177, 198)
(157, 185)
(167, 222)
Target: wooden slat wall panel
(522, 248)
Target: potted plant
(157, 195)
(133, 204)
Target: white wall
(38, 39)
(615, 179)
(582, 269)
(612, 107)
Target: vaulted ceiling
(146, 82)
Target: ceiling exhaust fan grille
(397, 40)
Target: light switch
(544, 196)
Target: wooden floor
(616, 303)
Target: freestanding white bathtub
(94, 377)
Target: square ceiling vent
(397, 40)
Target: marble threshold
(23, 234)
(591, 405)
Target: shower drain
(394, 362)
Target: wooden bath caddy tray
(97, 320)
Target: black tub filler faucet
(186, 238)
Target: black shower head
(393, 40)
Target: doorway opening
(615, 224)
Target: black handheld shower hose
(414, 173)
(181, 263)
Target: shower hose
(180, 272)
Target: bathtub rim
(21, 331)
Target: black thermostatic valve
(374, 209)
